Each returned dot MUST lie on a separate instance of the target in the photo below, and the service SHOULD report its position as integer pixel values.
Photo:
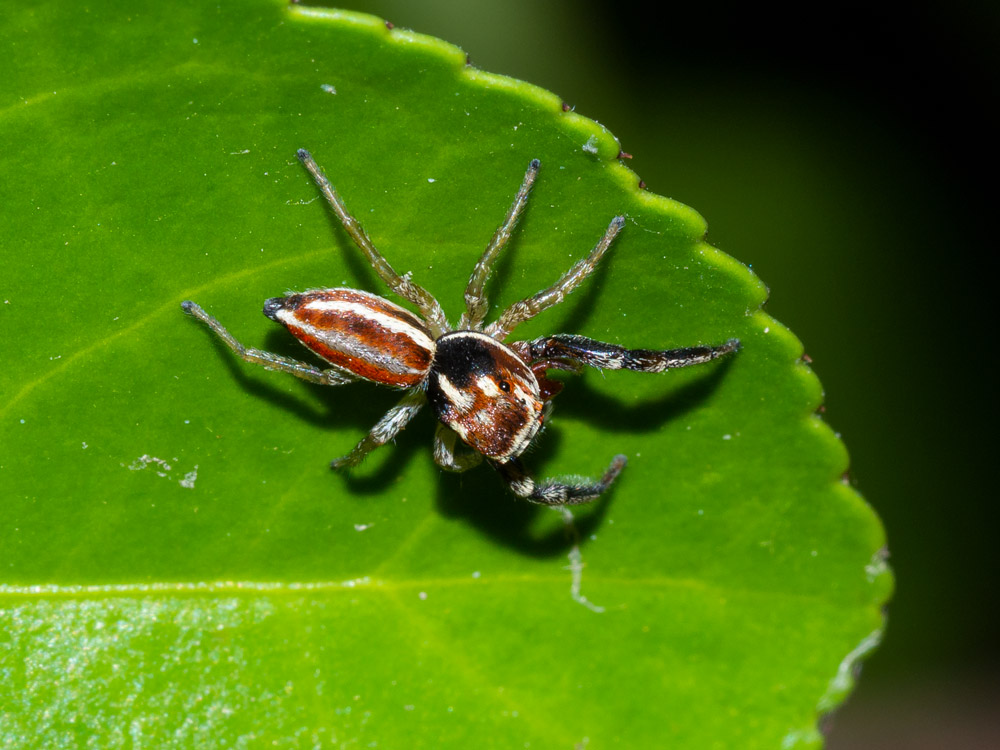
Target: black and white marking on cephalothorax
(491, 396)
(484, 392)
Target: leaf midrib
(188, 588)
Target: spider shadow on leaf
(339, 410)
(383, 468)
(586, 402)
(480, 497)
(494, 510)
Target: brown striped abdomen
(359, 332)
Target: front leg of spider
(557, 493)
(556, 352)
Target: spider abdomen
(482, 390)
(359, 332)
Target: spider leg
(528, 308)
(446, 456)
(384, 430)
(476, 302)
(556, 493)
(267, 359)
(563, 346)
(401, 285)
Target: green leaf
(180, 567)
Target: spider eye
(504, 386)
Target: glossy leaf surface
(180, 567)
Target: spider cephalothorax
(486, 393)
(491, 395)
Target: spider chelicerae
(490, 395)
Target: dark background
(847, 153)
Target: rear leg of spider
(267, 359)
(552, 492)
(401, 285)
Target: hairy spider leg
(476, 302)
(528, 308)
(401, 285)
(556, 493)
(449, 456)
(267, 359)
(572, 348)
(385, 429)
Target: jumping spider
(491, 395)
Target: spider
(492, 396)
